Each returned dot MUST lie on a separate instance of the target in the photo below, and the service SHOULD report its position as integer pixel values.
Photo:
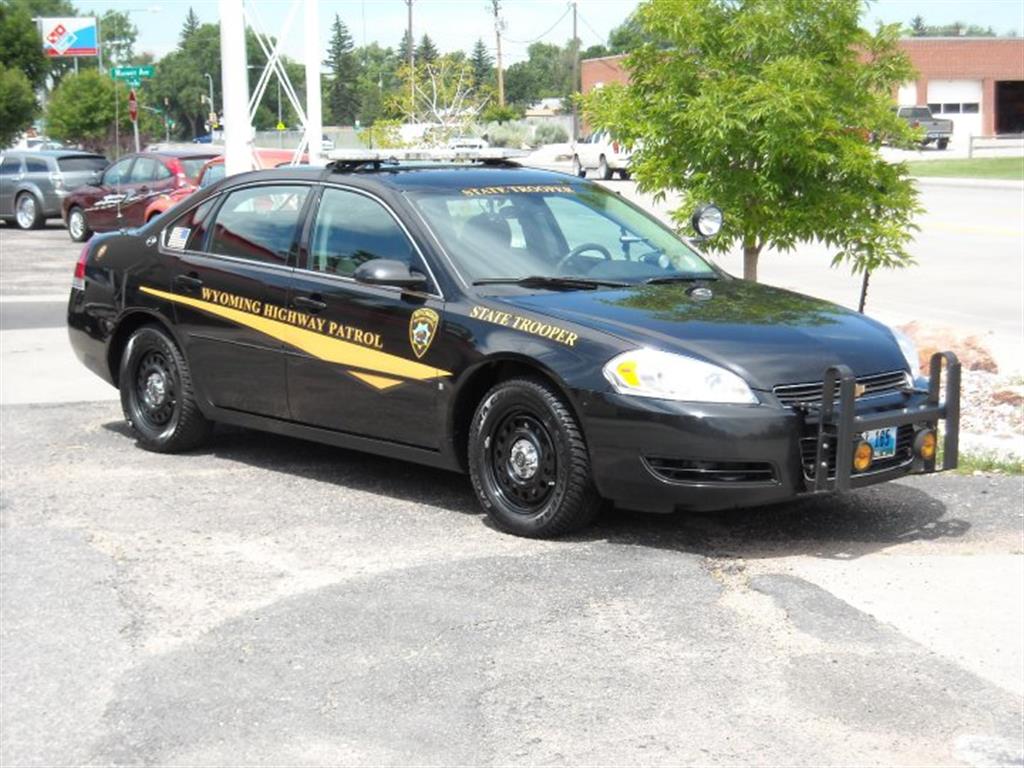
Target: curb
(945, 181)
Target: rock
(974, 354)
(1009, 396)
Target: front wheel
(156, 393)
(577, 167)
(78, 227)
(529, 463)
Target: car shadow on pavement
(837, 526)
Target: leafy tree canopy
(118, 36)
(82, 109)
(766, 109)
(20, 45)
(17, 104)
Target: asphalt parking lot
(269, 601)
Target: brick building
(978, 82)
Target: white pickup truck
(600, 152)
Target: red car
(127, 186)
(212, 172)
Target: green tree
(17, 104)
(377, 81)
(82, 109)
(190, 26)
(547, 72)
(342, 86)
(426, 51)
(20, 45)
(403, 48)
(117, 36)
(917, 27)
(766, 109)
(483, 63)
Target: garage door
(959, 101)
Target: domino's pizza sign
(71, 36)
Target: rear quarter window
(36, 165)
(78, 164)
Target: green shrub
(549, 133)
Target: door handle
(311, 304)
(188, 282)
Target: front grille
(710, 472)
(893, 382)
(904, 454)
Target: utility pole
(496, 4)
(575, 75)
(412, 68)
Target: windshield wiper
(679, 279)
(552, 281)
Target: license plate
(882, 442)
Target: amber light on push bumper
(862, 456)
(925, 443)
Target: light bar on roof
(447, 155)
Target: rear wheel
(78, 228)
(603, 171)
(624, 174)
(156, 393)
(529, 463)
(943, 143)
(28, 213)
(577, 167)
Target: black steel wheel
(156, 393)
(528, 461)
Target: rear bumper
(661, 456)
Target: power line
(543, 34)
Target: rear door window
(145, 169)
(117, 173)
(36, 165)
(259, 223)
(188, 232)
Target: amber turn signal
(925, 443)
(862, 456)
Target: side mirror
(389, 272)
(707, 220)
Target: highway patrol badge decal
(422, 327)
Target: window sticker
(518, 188)
(178, 237)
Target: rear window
(193, 165)
(77, 164)
(919, 113)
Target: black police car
(529, 327)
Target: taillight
(78, 281)
(175, 167)
(916, 124)
(57, 180)
(615, 147)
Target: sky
(457, 24)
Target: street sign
(133, 106)
(281, 127)
(132, 73)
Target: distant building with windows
(977, 82)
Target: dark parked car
(120, 197)
(530, 328)
(34, 183)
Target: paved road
(269, 601)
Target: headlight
(707, 220)
(651, 373)
(909, 350)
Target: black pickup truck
(934, 129)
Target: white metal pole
(314, 112)
(234, 76)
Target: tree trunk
(751, 251)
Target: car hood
(766, 335)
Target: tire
(943, 143)
(28, 212)
(624, 174)
(78, 226)
(603, 171)
(157, 395)
(577, 167)
(528, 461)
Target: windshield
(556, 230)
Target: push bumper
(661, 456)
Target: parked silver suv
(33, 183)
